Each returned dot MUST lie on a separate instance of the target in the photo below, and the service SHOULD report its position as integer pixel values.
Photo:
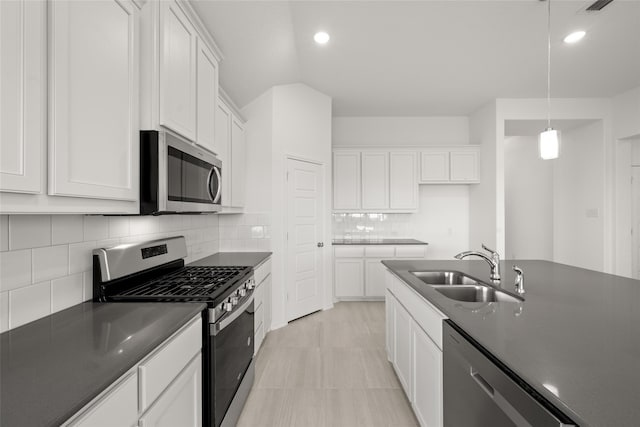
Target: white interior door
(635, 220)
(304, 238)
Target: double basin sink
(460, 287)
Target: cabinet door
(403, 182)
(427, 378)
(181, 402)
(464, 166)
(374, 278)
(434, 166)
(238, 163)
(118, 407)
(223, 144)
(349, 278)
(267, 304)
(375, 180)
(346, 180)
(22, 94)
(389, 301)
(207, 96)
(94, 133)
(177, 71)
(402, 347)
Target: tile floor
(328, 369)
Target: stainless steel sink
(444, 278)
(478, 293)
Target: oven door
(232, 351)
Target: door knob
(321, 244)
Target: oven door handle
(226, 321)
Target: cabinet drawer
(427, 316)
(258, 317)
(349, 252)
(379, 251)
(258, 338)
(119, 406)
(260, 273)
(411, 251)
(165, 364)
(258, 296)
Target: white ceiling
(417, 58)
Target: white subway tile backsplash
(66, 292)
(66, 229)
(87, 284)
(57, 255)
(4, 233)
(80, 257)
(29, 303)
(15, 269)
(118, 226)
(50, 262)
(257, 232)
(96, 227)
(29, 231)
(4, 311)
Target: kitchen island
(573, 338)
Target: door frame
(635, 220)
(326, 301)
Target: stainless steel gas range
(155, 271)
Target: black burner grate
(188, 283)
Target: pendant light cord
(549, 64)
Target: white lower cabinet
(181, 402)
(402, 347)
(427, 378)
(415, 355)
(164, 389)
(358, 271)
(262, 303)
(117, 407)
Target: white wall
(46, 260)
(300, 126)
(626, 114)
(579, 198)
(385, 131)
(483, 220)
(528, 200)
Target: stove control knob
(242, 292)
(228, 306)
(251, 284)
(234, 300)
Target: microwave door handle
(216, 198)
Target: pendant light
(549, 139)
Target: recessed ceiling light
(574, 37)
(321, 37)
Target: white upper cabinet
(178, 45)
(223, 142)
(375, 182)
(22, 95)
(346, 180)
(238, 163)
(93, 98)
(457, 165)
(207, 96)
(464, 166)
(403, 181)
(231, 146)
(434, 166)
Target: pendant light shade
(549, 144)
(549, 139)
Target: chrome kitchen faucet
(493, 261)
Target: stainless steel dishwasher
(479, 393)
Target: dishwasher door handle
(508, 409)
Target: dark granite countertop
(574, 339)
(378, 242)
(241, 259)
(53, 367)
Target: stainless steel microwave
(176, 176)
